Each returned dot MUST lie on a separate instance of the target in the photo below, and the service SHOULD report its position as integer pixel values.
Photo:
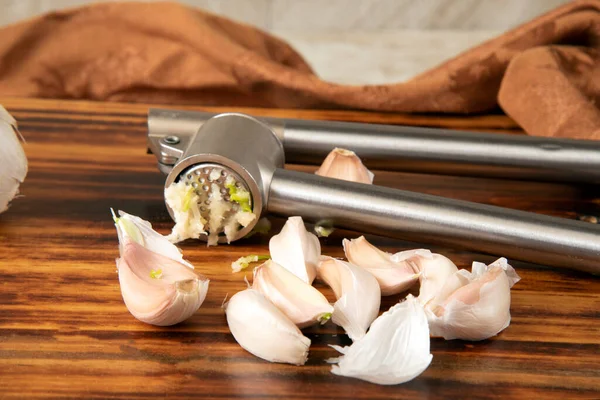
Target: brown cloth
(545, 74)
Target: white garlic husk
(158, 286)
(357, 293)
(346, 165)
(394, 275)
(296, 249)
(394, 350)
(473, 306)
(13, 162)
(263, 330)
(300, 302)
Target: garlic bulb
(300, 302)
(357, 293)
(13, 162)
(261, 329)
(434, 270)
(473, 306)
(158, 286)
(394, 275)
(156, 289)
(395, 350)
(345, 164)
(296, 249)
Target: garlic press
(190, 146)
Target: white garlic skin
(394, 350)
(13, 162)
(473, 306)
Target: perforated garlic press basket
(190, 146)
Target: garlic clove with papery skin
(263, 330)
(141, 232)
(394, 275)
(473, 306)
(300, 302)
(346, 165)
(357, 293)
(296, 249)
(13, 162)
(434, 270)
(394, 350)
(156, 289)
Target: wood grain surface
(65, 332)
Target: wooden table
(65, 332)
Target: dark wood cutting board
(65, 332)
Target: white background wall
(338, 15)
(356, 41)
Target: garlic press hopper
(254, 151)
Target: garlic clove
(140, 231)
(394, 350)
(263, 330)
(357, 293)
(296, 249)
(156, 289)
(346, 165)
(393, 276)
(434, 272)
(12, 159)
(473, 306)
(300, 302)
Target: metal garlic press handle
(419, 217)
(405, 148)
(251, 150)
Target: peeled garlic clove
(263, 330)
(357, 293)
(300, 302)
(395, 350)
(393, 276)
(140, 231)
(477, 310)
(296, 249)
(156, 289)
(435, 271)
(13, 162)
(346, 165)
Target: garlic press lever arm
(420, 217)
(404, 148)
(241, 146)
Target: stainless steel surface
(239, 144)
(431, 219)
(404, 148)
(249, 148)
(204, 179)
